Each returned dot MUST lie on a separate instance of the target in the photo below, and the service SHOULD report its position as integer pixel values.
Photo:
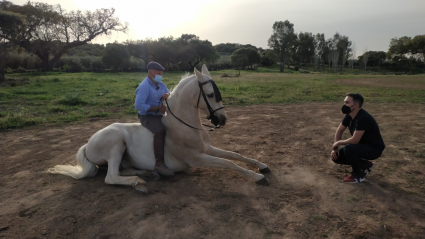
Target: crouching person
(365, 144)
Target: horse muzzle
(217, 120)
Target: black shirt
(365, 121)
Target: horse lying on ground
(129, 146)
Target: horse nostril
(223, 121)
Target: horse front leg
(113, 175)
(213, 151)
(205, 160)
(144, 174)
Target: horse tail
(83, 169)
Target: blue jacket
(147, 95)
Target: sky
(369, 24)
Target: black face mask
(346, 109)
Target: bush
(75, 65)
(20, 69)
(86, 62)
(97, 64)
(24, 60)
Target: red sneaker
(352, 179)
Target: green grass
(66, 97)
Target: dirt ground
(306, 197)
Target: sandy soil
(306, 197)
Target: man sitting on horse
(149, 96)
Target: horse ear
(199, 75)
(205, 70)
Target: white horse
(130, 146)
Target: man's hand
(165, 96)
(334, 154)
(162, 108)
(335, 146)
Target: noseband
(201, 91)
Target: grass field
(57, 98)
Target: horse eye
(210, 95)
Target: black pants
(357, 155)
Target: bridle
(201, 92)
(217, 97)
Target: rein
(218, 98)
(168, 107)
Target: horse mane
(184, 81)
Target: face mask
(346, 109)
(157, 78)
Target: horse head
(211, 104)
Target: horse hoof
(265, 170)
(155, 176)
(142, 188)
(263, 181)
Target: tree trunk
(46, 64)
(282, 64)
(2, 60)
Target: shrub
(20, 69)
(75, 65)
(86, 62)
(97, 64)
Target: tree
(138, 48)
(417, 45)
(344, 48)
(197, 51)
(365, 58)
(10, 24)
(353, 55)
(253, 56)
(186, 51)
(51, 31)
(240, 58)
(305, 47)
(375, 58)
(228, 48)
(282, 40)
(319, 48)
(398, 47)
(340, 46)
(268, 58)
(116, 56)
(407, 48)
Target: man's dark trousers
(357, 155)
(154, 124)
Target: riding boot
(158, 147)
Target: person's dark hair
(357, 98)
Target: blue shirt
(147, 95)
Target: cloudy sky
(369, 24)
